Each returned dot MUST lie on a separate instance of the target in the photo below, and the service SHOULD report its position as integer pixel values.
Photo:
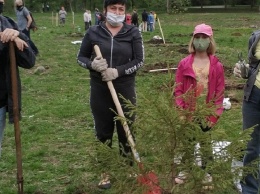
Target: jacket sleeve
(138, 55)
(25, 58)
(178, 89)
(219, 94)
(85, 52)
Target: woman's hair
(211, 49)
(112, 2)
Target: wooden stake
(156, 70)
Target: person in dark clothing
(135, 18)
(122, 48)
(1, 6)
(251, 113)
(144, 20)
(97, 16)
(101, 18)
(25, 58)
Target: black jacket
(253, 64)
(144, 16)
(124, 51)
(24, 59)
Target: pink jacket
(185, 80)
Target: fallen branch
(167, 69)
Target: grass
(57, 127)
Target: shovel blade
(151, 182)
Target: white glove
(237, 71)
(99, 64)
(109, 74)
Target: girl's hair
(112, 2)
(211, 49)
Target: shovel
(16, 117)
(149, 180)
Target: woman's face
(117, 9)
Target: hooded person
(123, 54)
(201, 76)
(25, 58)
(251, 113)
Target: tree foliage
(170, 6)
(163, 138)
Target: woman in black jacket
(122, 49)
(25, 58)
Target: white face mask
(115, 20)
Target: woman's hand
(9, 35)
(12, 35)
(20, 44)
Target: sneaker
(104, 182)
(207, 182)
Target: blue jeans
(2, 125)
(251, 117)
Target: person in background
(90, 17)
(97, 16)
(251, 112)
(62, 14)
(144, 21)
(24, 21)
(135, 18)
(150, 21)
(155, 19)
(25, 58)
(122, 49)
(102, 17)
(128, 19)
(2, 2)
(202, 75)
(87, 19)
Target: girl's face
(201, 42)
(117, 9)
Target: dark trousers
(103, 107)
(87, 24)
(251, 117)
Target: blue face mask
(114, 19)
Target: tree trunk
(167, 6)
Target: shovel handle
(120, 112)
(14, 81)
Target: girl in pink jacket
(202, 75)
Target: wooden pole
(16, 117)
(166, 69)
(161, 30)
(57, 19)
